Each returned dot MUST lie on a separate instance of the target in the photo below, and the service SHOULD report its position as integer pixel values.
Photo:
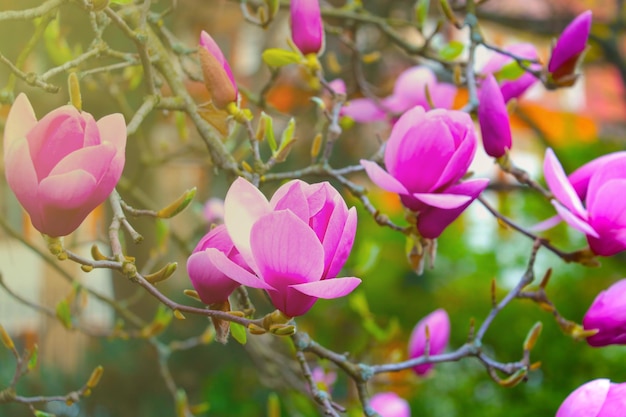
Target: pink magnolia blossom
(295, 244)
(390, 404)
(516, 87)
(218, 77)
(212, 285)
(602, 218)
(409, 91)
(597, 398)
(438, 324)
(569, 48)
(63, 166)
(426, 156)
(493, 119)
(607, 314)
(213, 210)
(307, 30)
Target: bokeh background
(373, 324)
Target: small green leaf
(163, 316)
(64, 313)
(39, 413)
(32, 361)
(178, 205)
(451, 50)
(238, 332)
(162, 234)
(511, 71)
(421, 12)
(276, 57)
(269, 131)
(287, 135)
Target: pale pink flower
(597, 398)
(390, 404)
(63, 166)
(295, 244)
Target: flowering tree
(290, 219)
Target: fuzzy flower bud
(218, 77)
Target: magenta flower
(569, 48)
(307, 30)
(493, 119)
(608, 314)
(603, 216)
(212, 285)
(295, 244)
(426, 156)
(597, 398)
(390, 404)
(513, 88)
(438, 324)
(64, 166)
(218, 77)
(409, 91)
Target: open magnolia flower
(426, 156)
(602, 217)
(63, 166)
(294, 244)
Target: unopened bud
(94, 379)
(514, 379)
(533, 335)
(177, 206)
(192, 294)
(216, 80)
(162, 274)
(96, 254)
(316, 146)
(179, 315)
(74, 88)
(6, 339)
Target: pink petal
(207, 42)
(442, 201)
(572, 42)
(67, 190)
(344, 246)
(494, 119)
(243, 206)
(307, 29)
(234, 271)
(20, 121)
(328, 288)
(610, 170)
(560, 186)
(290, 196)
(580, 178)
(21, 176)
(459, 163)
(211, 283)
(615, 402)
(573, 220)
(586, 400)
(113, 130)
(398, 133)
(95, 160)
(438, 324)
(432, 221)
(286, 250)
(546, 224)
(382, 178)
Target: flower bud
(568, 50)
(307, 29)
(493, 119)
(607, 314)
(435, 339)
(218, 77)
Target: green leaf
(451, 50)
(32, 361)
(511, 71)
(64, 313)
(276, 57)
(238, 332)
(163, 316)
(287, 135)
(43, 414)
(57, 47)
(269, 131)
(421, 12)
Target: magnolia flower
(607, 314)
(516, 86)
(438, 324)
(493, 119)
(426, 156)
(212, 285)
(213, 211)
(64, 166)
(409, 91)
(603, 216)
(307, 30)
(597, 398)
(218, 77)
(390, 404)
(295, 244)
(568, 50)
